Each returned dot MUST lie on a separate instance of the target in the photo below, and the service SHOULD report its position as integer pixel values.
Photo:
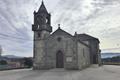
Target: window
(38, 27)
(59, 39)
(46, 20)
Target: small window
(59, 39)
(39, 35)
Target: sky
(98, 18)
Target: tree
(28, 62)
(3, 62)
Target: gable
(60, 32)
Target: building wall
(86, 42)
(94, 50)
(83, 56)
(39, 50)
(66, 45)
(94, 47)
(76, 54)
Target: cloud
(16, 20)
(105, 25)
(99, 18)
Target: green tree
(3, 62)
(28, 62)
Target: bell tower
(42, 22)
(42, 29)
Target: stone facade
(61, 49)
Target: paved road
(107, 72)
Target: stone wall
(76, 54)
(65, 45)
(94, 48)
(83, 56)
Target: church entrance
(59, 60)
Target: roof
(84, 37)
(83, 43)
(42, 8)
(61, 30)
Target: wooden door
(59, 60)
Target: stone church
(59, 49)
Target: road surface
(106, 72)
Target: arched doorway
(59, 59)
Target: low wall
(6, 67)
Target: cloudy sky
(99, 18)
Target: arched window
(38, 27)
(46, 20)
